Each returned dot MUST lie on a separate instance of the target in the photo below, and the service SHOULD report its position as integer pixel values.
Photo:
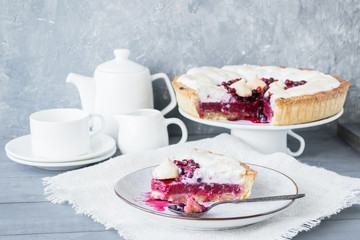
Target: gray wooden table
(26, 214)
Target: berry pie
(203, 176)
(275, 95)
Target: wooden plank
(22, 189)
(45, 217)
(332, 230)
(103, 235)
(9, 168)
(325, 149)
(350, 213)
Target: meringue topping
(166, 170)
(215, 167)
(241, 88)
(255, 82)
(207, 80)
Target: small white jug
(145, 129)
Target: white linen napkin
(91, 192)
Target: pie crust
(287, 111)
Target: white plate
(64, 165)
(20, 148)
(269, 182)
(242, 124)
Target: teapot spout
(86, 88)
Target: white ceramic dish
(58, 166)
(132, 188)
(21, 149)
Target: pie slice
(275, 95)
(202, 175)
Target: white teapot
(119, 86)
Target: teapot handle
(172, 103)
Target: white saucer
(20, 148)
(56, 166)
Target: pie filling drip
(255, 108)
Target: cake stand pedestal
(264, 138)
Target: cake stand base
(269, 141)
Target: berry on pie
(203, 176)
(275, 95)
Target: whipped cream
(207, 80)
(214, 168)
(166, 170)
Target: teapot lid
(121, 64)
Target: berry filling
(255, 108)
(168, 187)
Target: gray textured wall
(42, 41)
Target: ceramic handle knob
(122, 53)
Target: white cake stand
(264, 138)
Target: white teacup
(145, 129)
(62, 133)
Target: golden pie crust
(250, 176)
(287, 111)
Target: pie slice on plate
(202, 175)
